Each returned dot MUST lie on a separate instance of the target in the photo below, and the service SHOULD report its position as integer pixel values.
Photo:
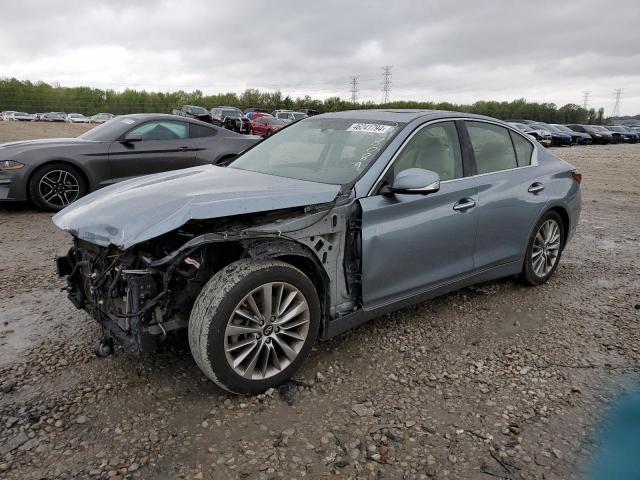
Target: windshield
(197, 111)
(299, 116)
(109, 130)
(273, 121)
(615, 129)
(324, 150)
(231, 113)
(562, 128)
(22, 114)
(75, 115)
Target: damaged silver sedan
(333, 221)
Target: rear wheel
(54, 186)
(544, 249)
(253, 325)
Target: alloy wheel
(546, 248)
(59, 188)
(267, 330)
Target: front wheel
(253, 325)
(544, 249)
(56, 185)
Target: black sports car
(193, 111)
(52, 173)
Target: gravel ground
(494, 381)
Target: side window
(434, 148)
(492, 147)
(161, 130)
(524, 149)
(198, 131)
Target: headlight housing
(10, 165)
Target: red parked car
(266, 126)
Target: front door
(165, 146)
(410, 242)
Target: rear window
(199, 131)
(523, 148)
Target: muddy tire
(254, 324)
(544, 249)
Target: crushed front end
(132, 300)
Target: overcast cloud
(459, 51)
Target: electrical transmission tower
(617, 95)
(585, 99)
(355, 87)
(386, 82)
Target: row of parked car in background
(557, 135)
(264, 123)
(54, 117)
(251, 121)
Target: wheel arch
(85, 176)
(566, 222)
(301, 257)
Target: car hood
(137, 210)
(22, 146)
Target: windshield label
(369, 128)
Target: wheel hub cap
(546, 247)
(59, 188)
(257, 349)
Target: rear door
(413, 243)
(511, 193)
(165, 146)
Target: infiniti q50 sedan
(333, 221)
(53, 173)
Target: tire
(214, 313)
(536, 269)
(72, 186)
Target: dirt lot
(495, 381)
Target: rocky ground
(494, 381)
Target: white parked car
(6, 115)
(76, 118)
(101, 117)
(21, 117)
(288, 116)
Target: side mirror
(416, 181)
(131, 139)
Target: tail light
(577, 176)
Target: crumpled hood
(137, 210)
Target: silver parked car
(333, 221)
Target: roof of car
(400, 115)
(164, 116)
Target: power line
(585, 99)
(355, 87)
(386, 82)
(617, 95)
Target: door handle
(464, 204)
(536, 187)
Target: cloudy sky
(459, 51)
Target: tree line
(23, 95)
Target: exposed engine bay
(140, 294)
